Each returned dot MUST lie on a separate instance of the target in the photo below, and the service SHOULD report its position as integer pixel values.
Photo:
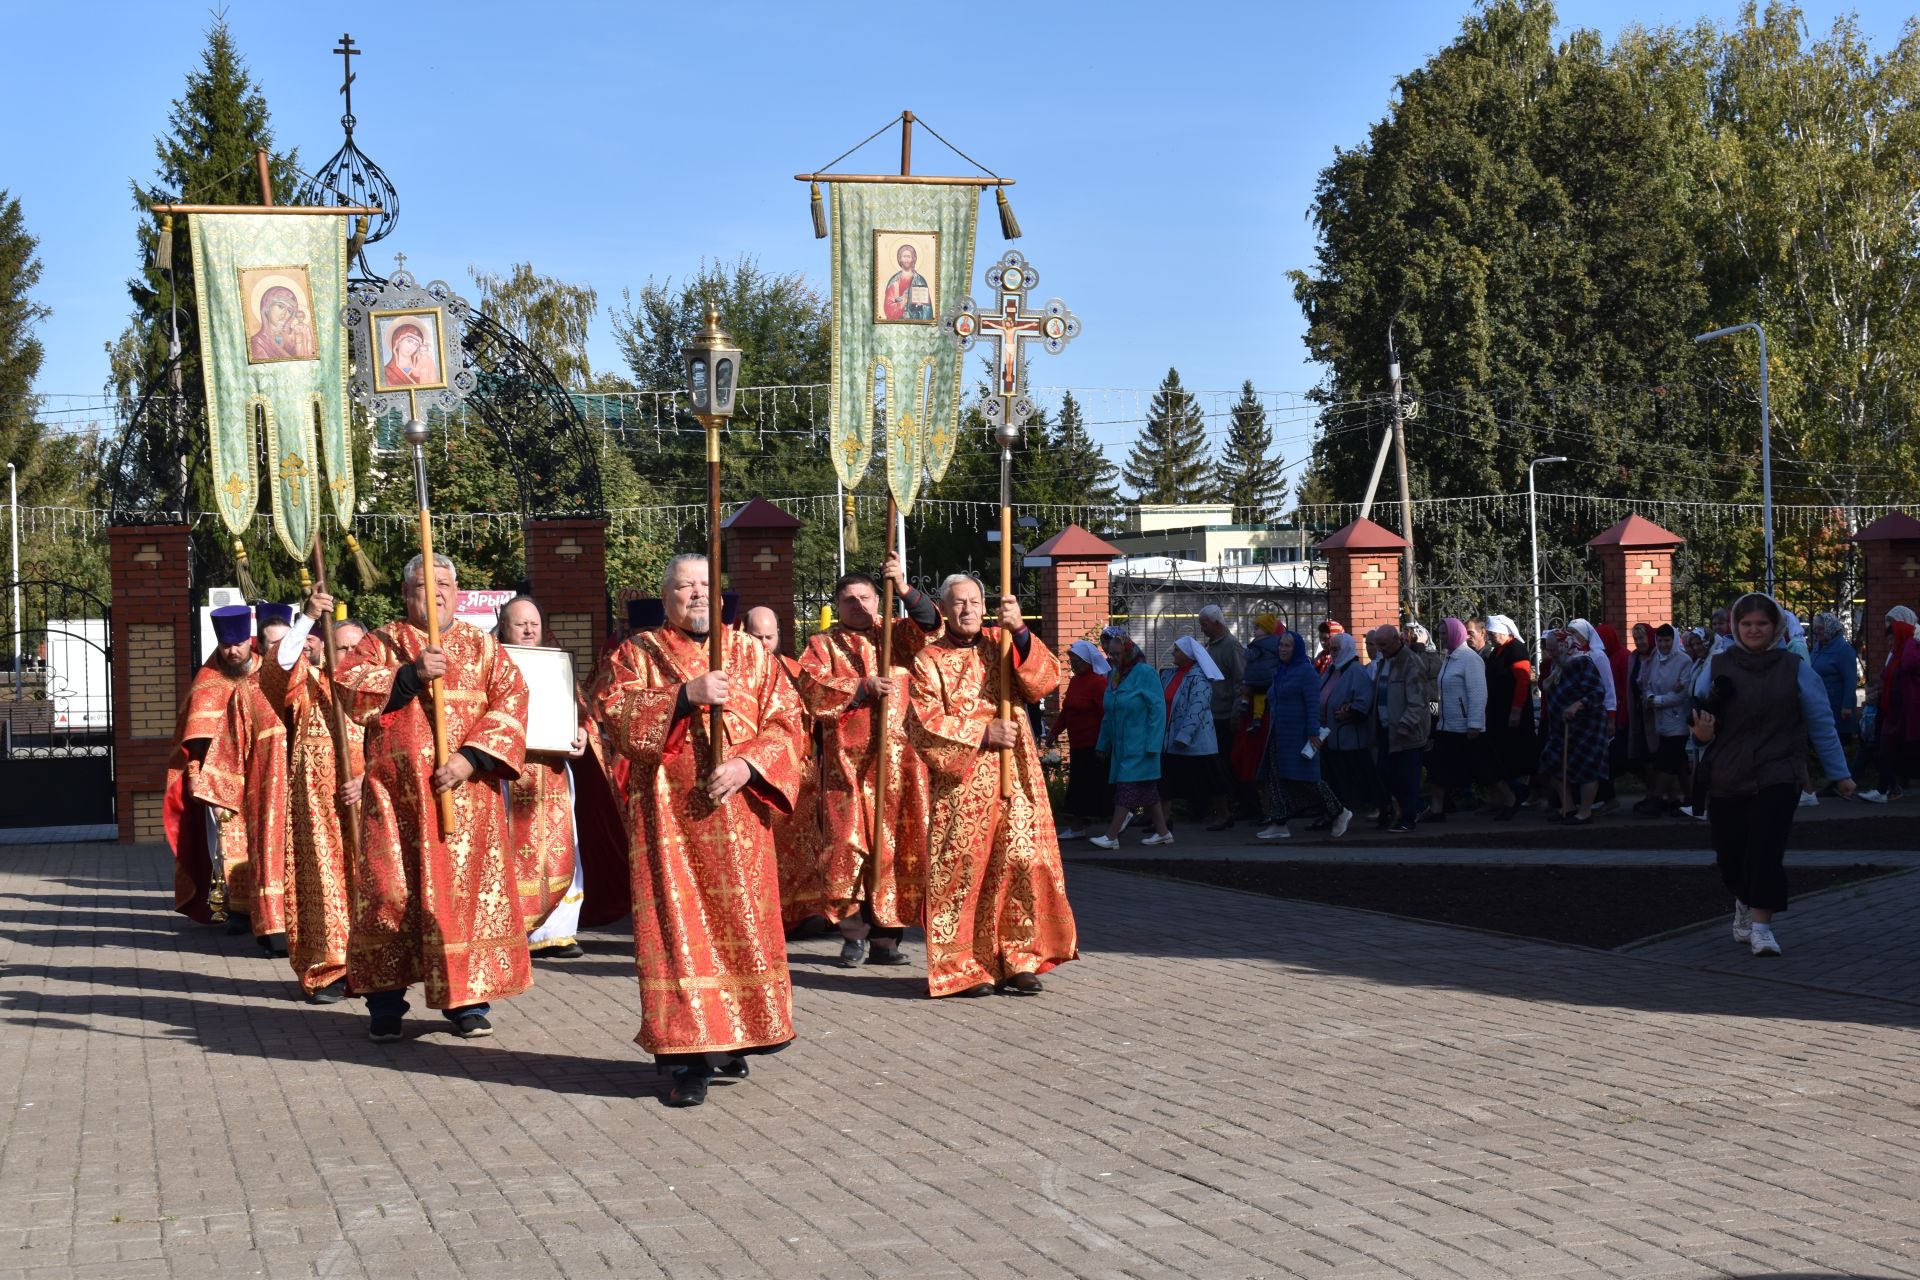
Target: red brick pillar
(1073, 588)
(756, 555)
(1636, 574)
(1363, 578)
(1891, 548)
(567, 570)
(152, 657)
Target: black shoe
(472, 1026)
(879, 954)
(734, 1068)
(565, 951)
(689, 1086)
(984, 989)
(237, 924)
(274, 944)
(333, 993)
(1023, 984)
(1402, 829)
(384, 1030)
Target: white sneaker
(1104, 842)
(1069, 833)
(1742, 921)
(1340, 823)
(1808, 800)
(1159, 839)
(1763, 942)
(1273, 831)
(1876, 796)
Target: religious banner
(270, 287)
(902, 255)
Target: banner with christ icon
(902, 254)
(270, 292)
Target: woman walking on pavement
(1081, 711)
(1573, 725)
(1767, 707)
(1507, 753)
(1290, 773)
(1346, 722)
(1463, 718)
(1131, 731)
(1190, 742)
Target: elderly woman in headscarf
(1602, 644)
(1082, 708)
(1507, 753)
(1250, 726)
(1665, 692)
(1767, 711)
(1896, 737)
(1573, 721)
(1462, 719)
(1291, 770)
(1191, 744)
(1132, 730)
(1347, 726)
(1833, 659)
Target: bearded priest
(997, 914)
(428, 905)
(210, 866)
(707, 933)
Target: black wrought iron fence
(1158, 607)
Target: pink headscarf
(1455, 632)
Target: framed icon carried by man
(409, 350)
(278, 310)
(905, 265)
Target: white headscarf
(1344, 650)
(1501, 624)
(1597, 650)
(1089, 652)
(1201, 658)
(1900, 613)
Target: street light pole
(1533, 531)
(1766, 438)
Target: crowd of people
(377, 816)
(1724, 724)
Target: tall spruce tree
(1169, 462)
(1068, 469)
(44, 465)
(1249, 474)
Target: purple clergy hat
(232, 624)
(268, 613)
(646, 613)
(729, 607)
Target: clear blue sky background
(1166, 154)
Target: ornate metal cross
(1010, 326)
(346, 51)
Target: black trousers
(1750, 843)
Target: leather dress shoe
(984, 989)
(689, 1086)
(1023, 984)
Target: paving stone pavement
(1226, 1086)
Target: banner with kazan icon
(902, 256)
(275, 367)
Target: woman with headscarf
(1329, 628)
(1635, 721)
(1082, 708)
(1838, 666)
(1132, 728)
(1346, 728)
(1250, 725)
(1768, 709)
(1507, 752)
(1462, 719)
(1665, 691)
(1191, 744)
(1896, 731)
(1573, 724)
(1291, 770)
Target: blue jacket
(1839, 670)
(1134, 725)
(1352, 685)
(1263, 660)
(1293, 711)
(1190, 719)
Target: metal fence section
(1160, 605)
(1475, 586)
(56, 708)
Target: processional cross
(1011, 327)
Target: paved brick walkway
(1227, 1086)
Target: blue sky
(1166, 154)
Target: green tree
(551, 316)
(1249, 474)
(1169, 462)
(1064, 467)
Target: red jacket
(1082, 709)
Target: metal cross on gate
(1011, 326)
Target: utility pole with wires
(1410, 582)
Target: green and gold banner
(271, 287)
(902, 258)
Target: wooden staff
(416, 434)
(1006, 589)
(716, 608)
(881, 725)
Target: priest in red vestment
(428, 905)
(210, 879)
(797, 842)
(997, 914)
(244, 779)
(876, 873)
(707, 936)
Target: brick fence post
(756, 553)
(567, 571)
(1636, 574)
(1363, 578)
(152, 659)
(1074, 601)
(1891, 546)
